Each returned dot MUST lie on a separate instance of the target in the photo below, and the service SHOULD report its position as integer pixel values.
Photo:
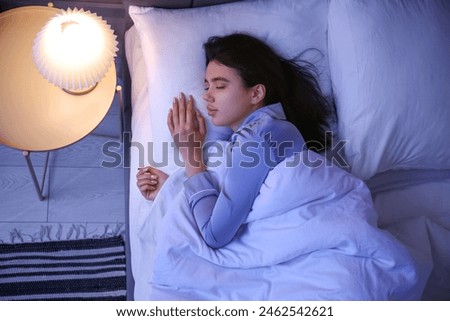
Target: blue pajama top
(264, 139)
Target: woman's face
(228, 101)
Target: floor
(84, 194)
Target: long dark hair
(287, 81)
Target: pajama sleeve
(219, 213)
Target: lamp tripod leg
(39, 188)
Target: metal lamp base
(80, 92)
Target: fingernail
(154, 176)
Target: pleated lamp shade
(74, 50)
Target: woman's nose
(207, 97)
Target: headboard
(174, 4)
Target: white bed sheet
(415, 207)
(140, 126)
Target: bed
(385, 235)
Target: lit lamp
(44, 49)
(74, 50)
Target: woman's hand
(149, 181)
(188, 129)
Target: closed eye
(218, 82)
(206, 88)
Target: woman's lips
(211, 110)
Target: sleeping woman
(274, 107)
(257, 229)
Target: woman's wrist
(193, 161)
(195, 165)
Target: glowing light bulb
(74, 50)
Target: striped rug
(88, 269)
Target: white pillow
(390, 70)
(172, 41)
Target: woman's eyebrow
(217, 79)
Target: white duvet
(311, 235)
